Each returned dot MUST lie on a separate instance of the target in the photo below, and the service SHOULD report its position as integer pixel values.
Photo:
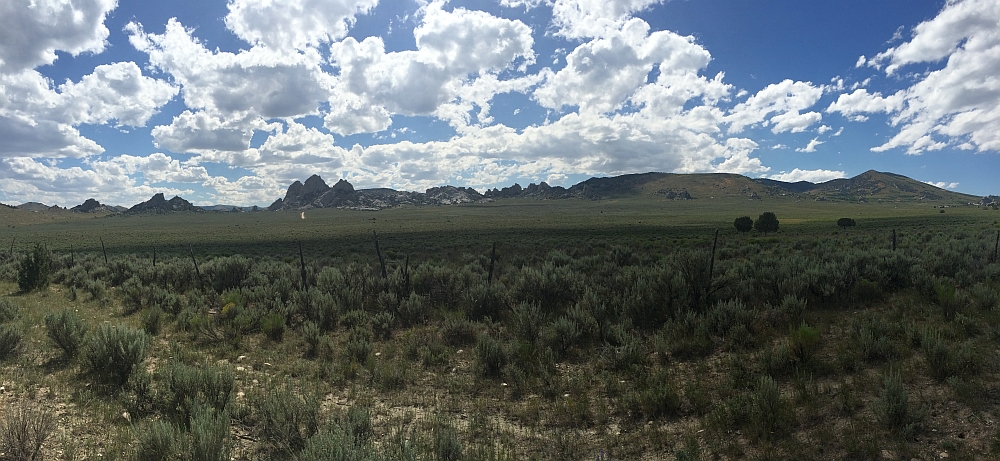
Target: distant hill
(159, 204)
(868, 186)
(875, 185)
(33, 206)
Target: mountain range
(315, 193)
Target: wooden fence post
(105, 250)
(381, 260)
(406, 276)
(493, 259)
(996, 248)
(894, 240)
(302, 266)
(197, 272)
(711, 264)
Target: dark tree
(767, 222)
(844, 223)
(743, 224)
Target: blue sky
(228, 102)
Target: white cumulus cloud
(780, 106)
(31, 31)
(957, 103)
(294, 24)
(813, 176)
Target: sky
(229, 102)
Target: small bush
(359, 345)
(490, 357)
(159, 441)
(8, 310)
(152, 320)
(803, 342)
(447, 447)
(526, 319)
(11, 341)
(284, 420)
(273, 326)
(66, 330)
(382, 324)
(210, 439)
(23, 431)
(770, 414)
(658, 396)
(458, 332)
(946, 361)
(312, 335)
(893, 405)
(188, 388)
(112, 351)
(34, 270)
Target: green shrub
(658, 396)
(210, 437)
(893, 405)
(189, 387)
(359, 345)
(311, 335)
(946, 361)
(11, 341)
(67, 330)
(447, 446)
(490, 356)
(139, 399)
(284, 420)
(526, 321)
(382, 324)
(770, 414)
(561, 335)
(34, 270)
(8, 310)
(152, 320)
(23, 431)
(273, 326)
(803, 342)
(412, 310)
(112, 351)
(159, 441)
(458, 331)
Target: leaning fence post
(406, 276)
(894, 240)
(711, 264)
(154, 256)
(105, 250)
(302, 265)
(493, 258)
(996, 248)
(378, 250)
(197, 272)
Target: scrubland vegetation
(812, 342)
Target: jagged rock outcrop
(314, 193)
(671, 194)
(540, 191)
(159, 204)
(990, 200)
(93, 206)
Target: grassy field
(608, 330)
